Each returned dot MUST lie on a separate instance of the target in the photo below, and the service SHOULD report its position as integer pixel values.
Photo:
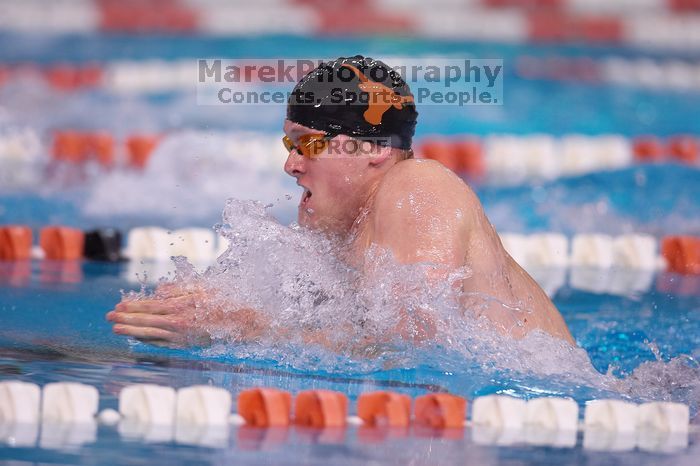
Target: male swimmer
(361, 183)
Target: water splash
(325, 316)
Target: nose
(295, 165)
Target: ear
(379, 155)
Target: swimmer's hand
(172, 318)
(177, 317)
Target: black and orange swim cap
(358, 97)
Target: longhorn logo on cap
(381, 97)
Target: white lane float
(69, 402)
(148, 404)
(610, 425)
(202, 416)
(499, 412)
(552, 421)
(611, 415)
(635, 251)
(148, 243)
(19, 402)
(547, 250)
(203, 405)
(592, 250)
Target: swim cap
(358, 97)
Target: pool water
(52, 325)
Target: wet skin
(417, 209)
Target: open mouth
(306, 195)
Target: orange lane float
(320, 409)
(62, 243)
(102, 148)
(15, 243)
(139, 149)
(265, 407)
(470, 156)
(81, 146)
(384, 409)
(648, 149)
(146, 16)
(682, 253)
(441, 151)
(440, 411)
(684, 148)
(70, 146)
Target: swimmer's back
(423, 212)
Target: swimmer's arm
(183, 319)
(421, 218)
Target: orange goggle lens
(310, 145)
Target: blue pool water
(52, 325)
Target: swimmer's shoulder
(427, 179)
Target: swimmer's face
(335, 183)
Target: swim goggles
(310, 145)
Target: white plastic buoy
(552, 413)
(611, 415)
(148, 404)
(203, 405)
(69, 402)
(19, 402)
(595, 250)
(664, 417)
(497, 411)
(109, 417)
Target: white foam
(69, 402)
